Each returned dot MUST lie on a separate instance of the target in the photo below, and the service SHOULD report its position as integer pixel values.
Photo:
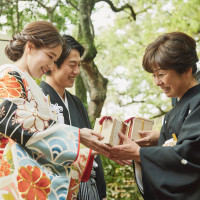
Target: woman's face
(41, 60)
(172, 83)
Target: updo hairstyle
(41, 33)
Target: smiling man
(70, 109)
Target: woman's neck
(22, 64)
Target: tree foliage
(122, 45)
(120, 181)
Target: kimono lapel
(179, 107)
(76, 109)
(185, 98)
(55, 99)
(75, 113)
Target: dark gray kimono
(173, 173)
(79, 118)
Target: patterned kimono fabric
(73, 112)
(36, 153)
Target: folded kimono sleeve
(26, 125)
(81, 170)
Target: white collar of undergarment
(66, 102)
(66, 105)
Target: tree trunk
(81, 91)
(96, 82)
(98, 90)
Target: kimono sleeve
(81, 170)
(174, 172)
(22, 120)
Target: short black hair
(69, 43)
(175, 50)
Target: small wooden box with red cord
(109, 127)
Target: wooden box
(137, 124)
(109, 128)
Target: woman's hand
(127, 151)
(149, 138)
(91, 139)
(119, 162)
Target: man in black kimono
(171, 170)
(63, 76)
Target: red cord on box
(103, 118)
(128, 120)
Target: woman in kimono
(36, 162)
(171, 170)
(72, 111)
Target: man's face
(66, 74)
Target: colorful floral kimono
(36, 153)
